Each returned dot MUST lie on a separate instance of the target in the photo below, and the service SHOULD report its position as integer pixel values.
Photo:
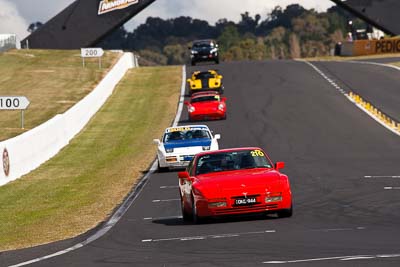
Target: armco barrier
(26, 152)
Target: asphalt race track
(344, 169)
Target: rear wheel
(162, 169)
(286, 213)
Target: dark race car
(204, 50)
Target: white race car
(179, 145)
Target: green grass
(52, 80)
(80, 187)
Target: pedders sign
(111, 5)
(6, 162)
(387, 46)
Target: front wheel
(185, 216)
(162, 169)
(195, 218)
(286, 213)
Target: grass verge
(336, 58)
(52, 80)
(79, 187)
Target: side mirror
(188, 80)
(216, 45)
(219, 77)
(156, 141)
(223, 99)
(186, 103)
(279, 165)
(217, 136)
(183, 175)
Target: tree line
(292, 32)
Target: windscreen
(231, 161)
(204, 75)
(206, 98)
(185, 133)
(202, 45)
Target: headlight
(217, 203)
(169, 150)
(191, 109)
(273, 199)
(194, 52)
(206, 148)
(221, 107)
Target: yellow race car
(205, 81)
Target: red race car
(234, 181)
(206, 106)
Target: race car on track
(234, 181)
(179, 145)
(206, 106)
(204, 50)
(205, 81)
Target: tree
(34, 26)
(295, 50)
(229, 37)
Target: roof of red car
(205, 93)
(227, 150)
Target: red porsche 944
(206, 106)
(234, 181)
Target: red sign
(6, 162)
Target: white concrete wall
(31, 149)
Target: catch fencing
(7, 42)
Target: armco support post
(82, 24)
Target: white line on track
(125, 205)
(342, 91)
(341, 258)
(165, 200)
(162, 218)
(204, 237)
(169, 186)
(382, 176)
(391, 188)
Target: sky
(16, 15)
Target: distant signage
(388, 46)
(13, 102)
(92, 52)
(111, 5)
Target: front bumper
(204, 57)
(175, 161)
(215, 115)
(204, 210)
